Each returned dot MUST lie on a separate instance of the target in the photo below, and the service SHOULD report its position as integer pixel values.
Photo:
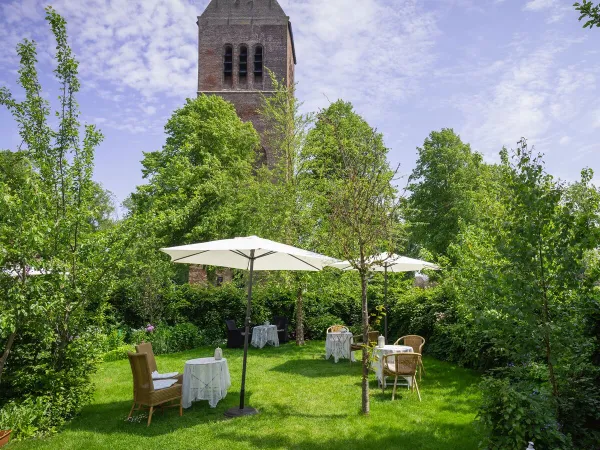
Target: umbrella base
(237, 412)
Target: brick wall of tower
(263, 24)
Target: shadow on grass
(447, 436)
(317, 368)
(111, 418)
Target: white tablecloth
(337, 343)
(265, 334)
(377, 364)
(205, 379)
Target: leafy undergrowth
(305, 402)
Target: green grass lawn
(305, 402)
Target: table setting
(337, 344)
(383, 349)
(265, 334)
(206, 379)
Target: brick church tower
(237, 41)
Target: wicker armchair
(146, 347)
(401, 365)
(144, 393)
(417, 343)
(336, 328)
(358, 343)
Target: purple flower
(150, 328)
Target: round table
(205, 379)
(265, 334)
(377, 363)
(337, 343)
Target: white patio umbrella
(248, 253)
(389, 262)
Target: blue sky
(494, 70)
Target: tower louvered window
(258, 63)
(228, 65)
(243, 64)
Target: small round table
(265, 334)
(377, 364)
(337, 343)
(205, 379)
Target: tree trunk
(9, 344)
(299, 317)
(546, 318)
(551, 375)
(365, 352)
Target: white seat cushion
(163, 384)
(162, 376)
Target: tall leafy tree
(589, 12)
(278, 203)
(354, 191)
(49, 203)
(194, 183)
(195, 190)
(525, 275)
(442, 185)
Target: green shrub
(169, 339)
(27, 418)
(515, 412)
(117, 354)
(185, 336)
(316, 327)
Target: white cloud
(366, 51)
(534, 95)
(555, 8)
(537, 5)
(150, 110)
(145, 45)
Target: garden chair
(149, 393)
(336, 328)
(417, 343)
(235, 336)
(357, 341)
(282, 328)
(146, 347)
(401, 365)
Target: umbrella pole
(385, 305)
(245, 410)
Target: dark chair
(282, 328)
(358, 344)
(235, 336)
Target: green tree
(48, 211)
(442, 186)
(195, 191)
(196, 180)
(524, 280)
(103, 208)
(353, 186)
(588, 11)
(278, 202)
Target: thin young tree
(282, 191)
(347, 162)
(55, 212)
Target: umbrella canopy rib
(189, 256)
(302, 261)
(265, 254)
